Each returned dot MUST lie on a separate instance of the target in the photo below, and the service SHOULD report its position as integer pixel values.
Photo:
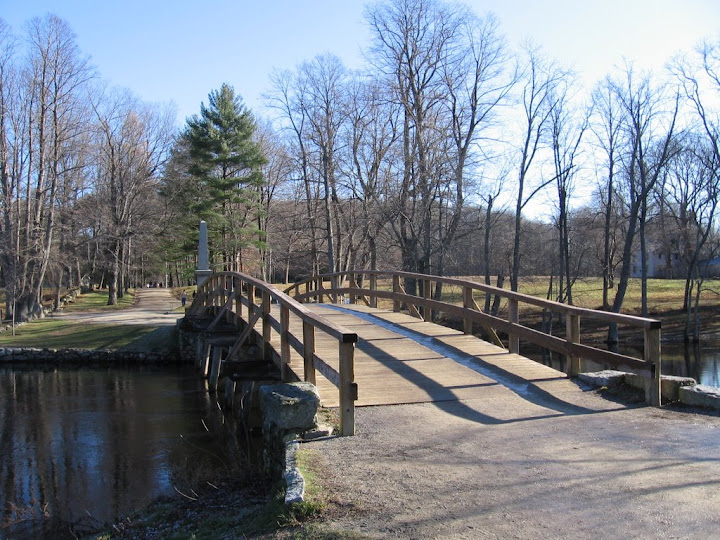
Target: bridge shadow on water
(445, 398)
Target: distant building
(659, 265)
(710, 268)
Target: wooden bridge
(363, 339)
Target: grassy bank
(96, 300)
(235, 508)
(56, 333)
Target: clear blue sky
(178, 51)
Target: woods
(452, 152)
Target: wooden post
(266, 326)
(424, 311)
(468, 304)
(653, 392)
(238, 300)
(284, 342)
(373, 289)
(572, 330)
(396, 290)
(228, 291)
(215, 368)
(348, 389)
(251, 299)
(319, 287)
(513, 317)
(199, 351)
(333, 295)
(351, 285)
(309, 351)
(229, 393)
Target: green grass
(56, 334)
(96, 300)
(52, 333)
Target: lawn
(54, 333)
(96, 300)
(57, 334)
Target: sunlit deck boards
(393, 369)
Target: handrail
(423, 306)
(228, 292)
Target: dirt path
(154, 307)
(445, 470)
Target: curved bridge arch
(457, 298)
(234, 304)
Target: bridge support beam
(653, 390)
(215, 368)
(513, 318)
(348, 389)
(572, 330)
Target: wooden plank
(390, 369)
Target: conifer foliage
(225, 167)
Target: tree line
(451, 152)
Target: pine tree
(226, 161)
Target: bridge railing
(230, 295)
(363, 285)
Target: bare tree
(410, 45)
(567, 131)
(42, 124)
(699, 76)
(538, 99)
(647, 136)
(277, 172)
(132, 141)
(606, 128)
(446, 69)
(371, 134)
(288, 97)
(689, 194)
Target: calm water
(701, 362)
(97, 444)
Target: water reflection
(699, 361)
(100, 443)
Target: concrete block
(700, 396)
(608, 378)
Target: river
(91, 446)
(699, 361)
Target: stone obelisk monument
(203, 264)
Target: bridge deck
(391, 368)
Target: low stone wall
(188, 340)
(674, 389)
(27, 355)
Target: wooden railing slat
(424, 306)
(233, 290)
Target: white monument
(203, 265)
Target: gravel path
(508, 468)
(154, 307)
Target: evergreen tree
(225, 161)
